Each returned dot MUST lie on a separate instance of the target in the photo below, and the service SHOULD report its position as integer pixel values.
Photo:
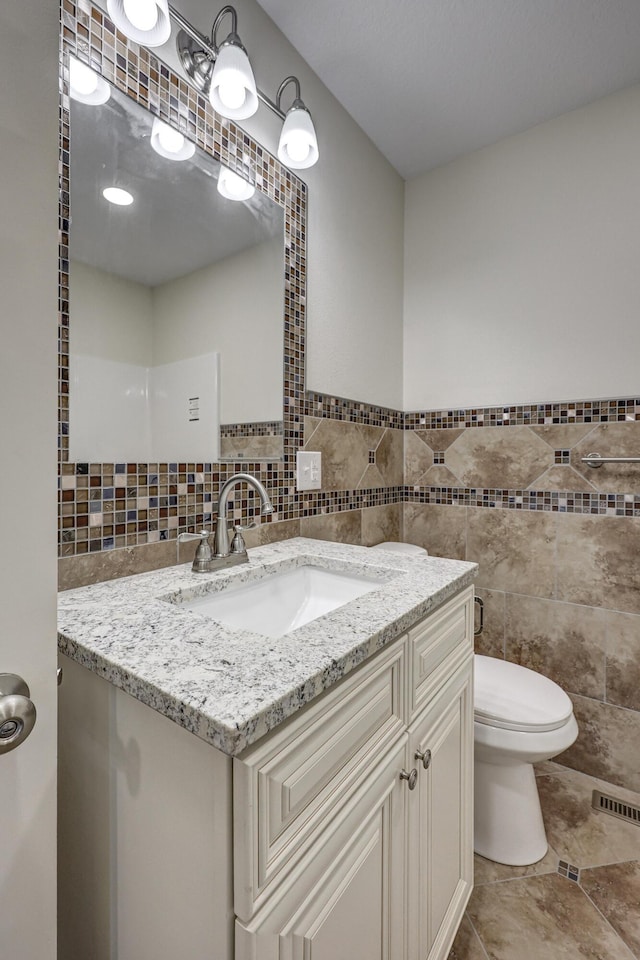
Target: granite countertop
(230, 687)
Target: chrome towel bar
(595, 460)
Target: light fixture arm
(297, 101)
(211, 50)
(232, 36)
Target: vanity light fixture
(118, 196)
(145, 21)
(233, 187)
(170, 143)
(85, 85)
(298, 146)
(223, 73)
(220, 71)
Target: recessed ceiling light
(122, 198)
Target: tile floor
(581, 901)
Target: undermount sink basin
(284, 601)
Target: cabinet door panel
(441, 819)
(286, 788)
(346, 899)
(437, 646)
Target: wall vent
(614, 807)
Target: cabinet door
(346, 898)
(441, 819)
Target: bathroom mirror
(176, 301)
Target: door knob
(425, 757)
(411, 778)
(17, 712)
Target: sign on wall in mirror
(176, 298)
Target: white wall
(521, 266)
(355, 222)
(28, 390)
(234, 307)
(111, 318)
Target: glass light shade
(85, 85)
(118, 196)
(298, 145)
(139, 21)
(233, 187)
(233, 91)
(170, 143)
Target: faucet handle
(203, 551)
(201, 535)
(238, 545)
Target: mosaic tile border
(536, 414)
(600, 504)
(263, 428)
(339, 408)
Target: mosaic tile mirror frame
(104, 506)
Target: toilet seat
(512, 697)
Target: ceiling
(432, 80)
(178, 221)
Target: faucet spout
(221, 546)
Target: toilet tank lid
(408, 549)
(508, 695)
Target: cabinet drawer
(436, 645)
(287, 786)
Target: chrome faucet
(221, 548)
(224, 554)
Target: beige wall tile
(345, 527)
(251, 448)
(562, 477)
(418, 457)
(607, 745)
(515, 550)
(623, 659)
(490, 643)
(440, 440)
(381, 523)
(562, 641)
(345, 453)
(389, 457)
(88, 568)
(563, 436)
(272, 532)
(439, 529)
(597, 561)
(611, 440)
(501, 457)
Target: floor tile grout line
(480, 940)
(609, 863)
(608, 923)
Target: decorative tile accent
(569, 870)
(578, 411)
(264, 428)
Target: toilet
(520, 718)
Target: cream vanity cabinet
(353, 821)
(343, 834)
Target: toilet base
(508, 819)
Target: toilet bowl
(520, 718)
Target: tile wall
(558, 543)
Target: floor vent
(616, 808)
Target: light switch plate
(308, 470)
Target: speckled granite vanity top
(229, 686)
